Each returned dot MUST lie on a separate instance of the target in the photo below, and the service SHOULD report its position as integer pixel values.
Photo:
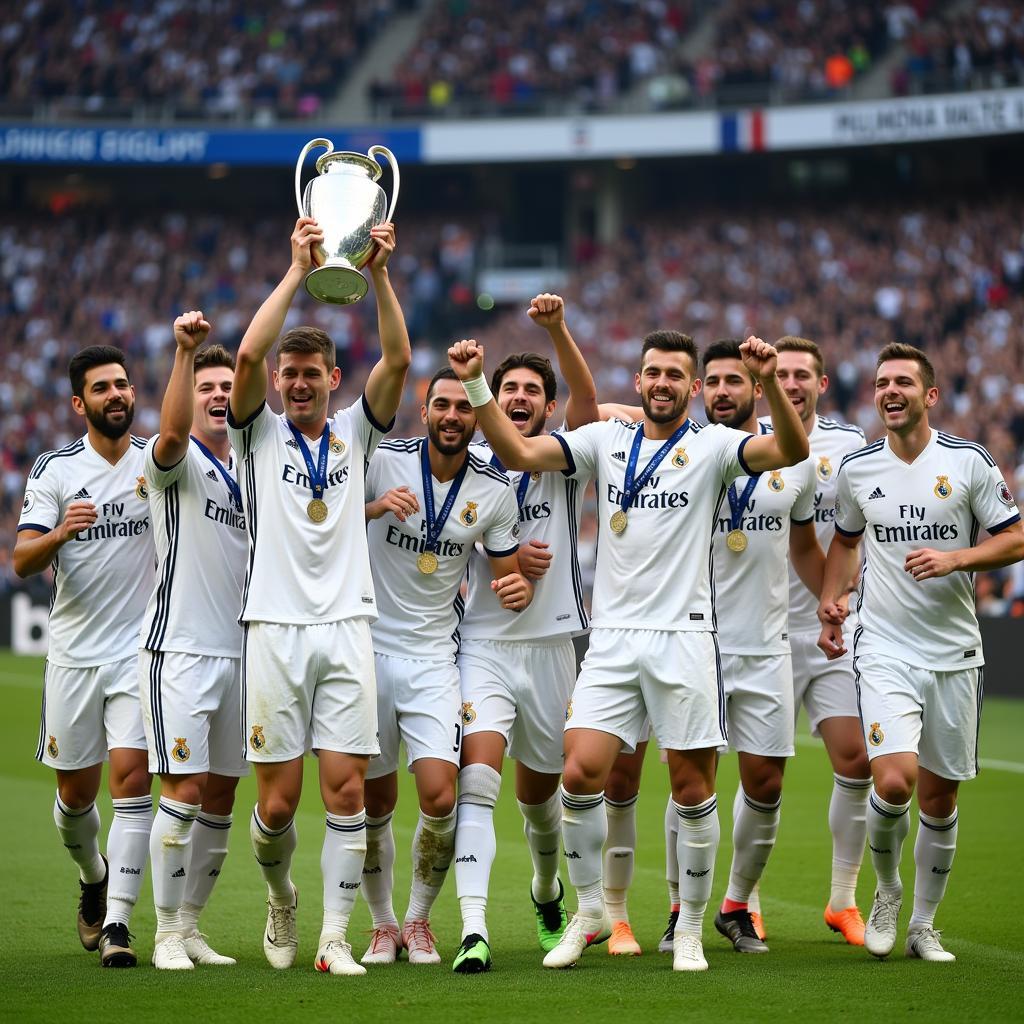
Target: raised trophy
(346, 201)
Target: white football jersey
(102, 578)
(201, 547)
(752, 586)
(657, 573)
(952, 488)
(299, 571)
(420, 613)
(550, 513)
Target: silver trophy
(346, 201)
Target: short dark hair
(529, 361)
(791, 343)
(723, 348)
(445, 373)
(670, 341)
(309, 341)
(94, 355)
(213, 355)
(899, 350)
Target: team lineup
(245, 588)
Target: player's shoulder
(963, 448)
(396, 447)
(864, 455)
(829, 425)
(483, 470)
(53, 460)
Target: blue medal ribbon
(436, 524)
(738, 502)
(233, 488)
(631, 487)
(524, 482)
(318, 473)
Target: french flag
(742, 131)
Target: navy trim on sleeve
(501, 554)
(232, 422)
(33, 526)
(368, 412)
(802, 522)
(849, 533)
(161, 466)
(570, 469)
(739, 455)
(991, 529)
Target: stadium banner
(30, 142)
(24, 620)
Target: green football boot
(551, 919)
(473, 957)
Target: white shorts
(308, 687)
(936, 715)
(759, 703)
(520, 690)
(671, 675)
(190, 709)
(88, 711)
(418, 702)
(826, 688)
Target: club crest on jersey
(180, 751)
(943, 488)
(257, 740)
(535, 477)
(824, 469)
(680, 460)
(468, 714)
(51, 748)
(336, 444)
(140, 489)
(875, 735)
(568, 710)
(1004, 493)
(775, 481)
(468, 516)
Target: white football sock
(170, 846)
(209, 849)
(80, 833)
(847, 820)
(699, 834)
(127, 852)
(754, 827)
(433, 846)
(379, 871)
(274, 849)
(933, 860)
(584, 830)
(888, 825)
(619, 855)
(671, 859)
(475, 844)
(542, 824)
(341, 864)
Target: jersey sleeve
(728, 450)
(582, 448)
(41, 509)
(372, 484)
(366, 428)
(991, 499)
(501, 537)
(850, 521)
(803, 508)
(160, 477)
(579, 471)
(248, 436)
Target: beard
(445, 447)
(734, 419)
(677, 410)
(99, 419)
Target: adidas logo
(619, 456)
(467, 859)
(292, 443)
(876, 493)
(212, 474)
(572, 855)
(82, 495)
(180, 873)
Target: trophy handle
(374, 150)
(312, 144)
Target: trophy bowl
(346, 201)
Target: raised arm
(536, 454)
(787, 444)
(548, 311)
(617, 411)
(387, 379)
(249, 389)
(171, 446)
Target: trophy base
(340, 285)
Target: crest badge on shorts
(875, 735)
(468, 714)
(141, 491)
(468, 516)
(336, 445)
(824, 469)
(775, 481)
(257, 740)
(680, 460)
(180, 751)
(943, 488)
(51, 748)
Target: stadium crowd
(945, 276)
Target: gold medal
(736, 540)
(317, 510)
(618, 521)
(427, 562)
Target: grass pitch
(810, 973)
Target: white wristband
(477, 391)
